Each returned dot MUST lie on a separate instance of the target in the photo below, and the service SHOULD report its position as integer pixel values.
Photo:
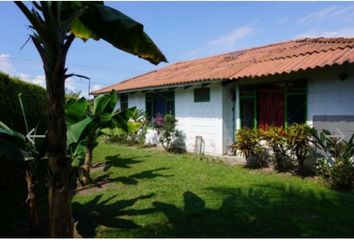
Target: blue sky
(182, 30)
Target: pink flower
(158, 120)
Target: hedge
(34, 100)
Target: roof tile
(279, 58)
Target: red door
(271, 108)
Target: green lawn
(155, 194)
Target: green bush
(336, 163)
(277, 139)
(299, 139)
(137, 128)
(34, 100)
(248, 143)
(170, 138)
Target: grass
(157, 194)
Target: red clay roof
(279, 58)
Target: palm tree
(54, 27)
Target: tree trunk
(60, 216)
(33, 222)
(86, 179)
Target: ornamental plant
(299, 142)
(166, 128)
(276, 138)
(248, 142)
(336, 160)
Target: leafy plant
(85, 126)
(248, 142)
(299, 141)
(336, 163)
(15, 146)
(276, 138)
(136, 130)
(166, 128)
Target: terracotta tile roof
(279, 58)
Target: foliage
(336, 163)
(85, 126)
(72, 94)
(277, 139)
(248, 142)
(33, 98)
(299, 141)
(166, 128)
(14, 146)
(136, 132)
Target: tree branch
(68, 43)
(29, 15)
(76, 75)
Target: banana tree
(15, 146)
(91, 125)
(54, 27)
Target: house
(307, 80)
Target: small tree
(91, 124)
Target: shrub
(137, 128)
(34, 100)
(248, 143)
(336, 162)
(299, 139)
(169, 136)
(276, 138)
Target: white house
(308, 80)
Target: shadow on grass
(118, 161)
(259, 211)
(107, 213)
(134, 178)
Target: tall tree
(54, 27)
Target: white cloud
(224, 43)
(38, 80)
(5, 64)
(96, 87)
(232, 37)
(70, 85)
(325, 13)
(343, 32)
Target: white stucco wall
(197, 118)
(201, 118)
(328, 95)
(136, 100)
(331, 100)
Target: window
(248, 107)
(278, 104)
(201, 94)
(159, 103)
(296, 108)
(296, 102)
(123, 102)
(247, 112)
